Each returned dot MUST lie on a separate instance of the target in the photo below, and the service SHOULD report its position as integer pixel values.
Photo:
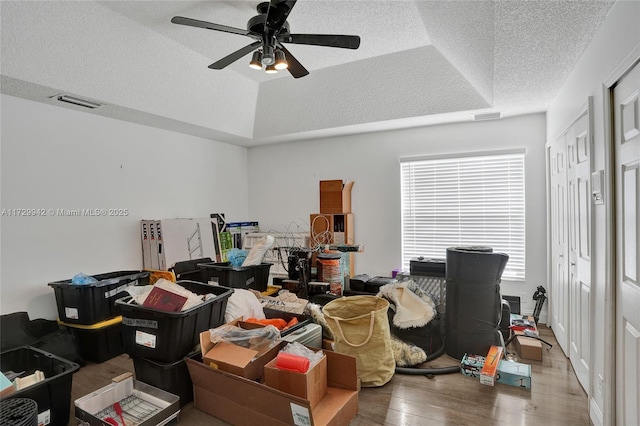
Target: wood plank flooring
(556, 397)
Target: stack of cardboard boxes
(334, 224)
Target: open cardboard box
(335, 196)
(236, 359)
(240, 401)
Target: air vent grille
(487, 116)
(77, 101)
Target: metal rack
(134, 411)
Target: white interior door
(627, 202)
(559, 294)
(578, 139)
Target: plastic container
(53, 394)
(169, 336)
(255, 277)
(142, 404)
(309, 335)
(328, 265)
(172, 377)
(92, 303)
(287, 316)
(98, 342)
(188, 269)
(19, 412)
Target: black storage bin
(169, 336)
(373, 285)
(255, 277)
(427, 266)
(172, 377)
(188, 269)
(92, 303)
(98, 342)
(19, 412)
(52, 395)
(474, 304)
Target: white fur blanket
(412, 307)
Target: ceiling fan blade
(329, 40)
(209, 25)
(295, 68)
(278, 12)
(229, 59)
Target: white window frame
(469, 199)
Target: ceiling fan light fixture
(268, 57)
(271, 69)
(256, 60)
(281, 60)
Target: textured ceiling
(419, 63)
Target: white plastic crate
(279, 253)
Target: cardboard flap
(231, 354)
(341, 371)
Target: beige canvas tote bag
(361, 329)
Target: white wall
(618, 36)
(283, 186)
(55, 157)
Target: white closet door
(627, 183)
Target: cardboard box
(236, 359)
(470, 365)
(528, 348)
(285, 301)
(311, 385)
(514, 374)
(490, 368)
(332, 229)
(244, 402)
(335, 196)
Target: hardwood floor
(556, 397)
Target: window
(464, 201)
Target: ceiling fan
(270, 30)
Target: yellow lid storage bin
(98, 342)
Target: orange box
(490, 368)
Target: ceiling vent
(487, 116)
(76, 101)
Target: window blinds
(464, 201)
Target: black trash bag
(17, 330)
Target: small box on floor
(471, 365)
(514, 374)
(490, 368)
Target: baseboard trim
(595, 413)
